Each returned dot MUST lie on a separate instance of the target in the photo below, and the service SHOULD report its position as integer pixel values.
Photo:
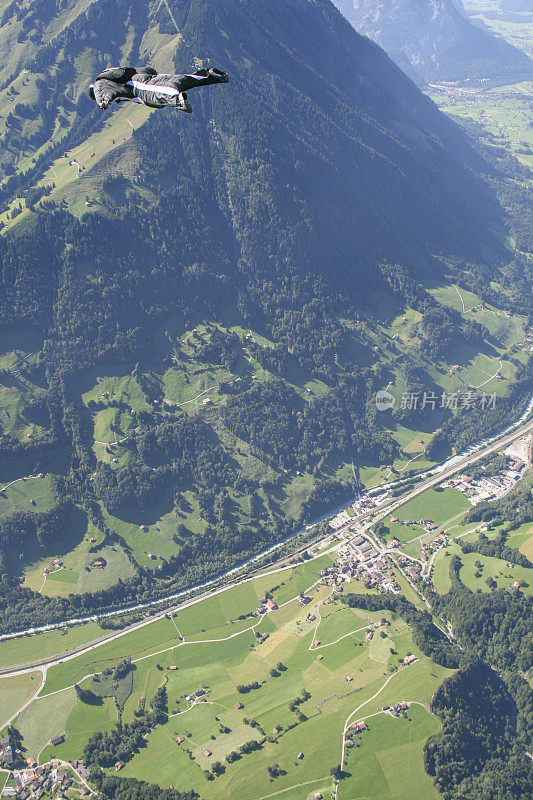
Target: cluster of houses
(47, 780)
(358, 559)
(355, 728)
(364, 503)
(196, 695)
(488, 487)
(426, 523)
(396, 709)
(267, 604)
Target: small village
(359, 560)
(55, 779)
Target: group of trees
(495, 626)
(477, 756)
(113, 787)
(497, 548)
(24, 533)
(105, 749)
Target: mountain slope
(203, 306)
(433, 41)
(385, 152)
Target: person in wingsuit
(145, 85)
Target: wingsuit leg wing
(202, 77)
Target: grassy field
(523, 539)
(45, 718)
(387, 759)
(477, 568)
(20, 389)
(78, 726)
(14, 652)
(516, 27)
(440, 506)
(503, 113)
(14, 692)
(219, 654)
(31, 494)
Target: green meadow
(220, 652)
(15, 652)
(387, 760)
(441, 506)
(15, 691)
(476, 569)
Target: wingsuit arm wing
(106, 91)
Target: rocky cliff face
(433, 41)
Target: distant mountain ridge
(433, 40)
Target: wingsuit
(144, 85)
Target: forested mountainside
(192, 309)
(434, 41)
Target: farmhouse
(58, 739)
(409, 659)
(207, 753)
(270, 604)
